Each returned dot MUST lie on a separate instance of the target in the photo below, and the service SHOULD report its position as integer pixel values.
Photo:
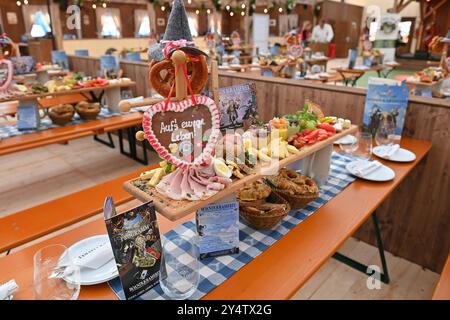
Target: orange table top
(442, 291)
(70, 132)
(280, 270)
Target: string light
(280, 9)
(266, 10)
(94, 6)
(208, 11)
(163, 8)
(243, 6)
(197, 11)
(231, 13)
(19, 3)
(104, 5)
(242, 13)
(25, 2)
(228, 7)
(189, 1)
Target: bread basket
(61, 114)
(265, 221)
(87, 110)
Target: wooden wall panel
(415, 219)
(14, 31)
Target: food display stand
(174, 210)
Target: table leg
(109, 143)
(384, 276)
(133, 145)
(356, 79)
(122, 150)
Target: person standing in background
(322, 33)
(305, 33)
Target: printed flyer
(385, 102)
(218, 229)
(136, 244)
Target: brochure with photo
(136, 243)
(238, 108)
(385, 103)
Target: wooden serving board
(174, 210)
(34, 96)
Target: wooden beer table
(277, 273)
(69, 132)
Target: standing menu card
(60, 58)
(109, 66)
(28, 117)
(385, 102)
(136, 244)
(238, 108)
(218, 229)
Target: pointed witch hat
(177, 29)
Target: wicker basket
(60, 119)
(297, 201)
(267, 221)
(88, 114)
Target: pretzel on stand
(178, 58)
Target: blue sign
(82, 52)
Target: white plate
(348, 139)
(383, 173)
(93, 276)
(402, 155)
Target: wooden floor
(36, 176)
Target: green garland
(217, 4)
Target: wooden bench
(442, 291)
(33, 223)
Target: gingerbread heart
(185, 134)
(6, 73)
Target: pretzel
(196, 70)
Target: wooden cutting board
(177, 209)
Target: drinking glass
(364, 149)
(350, 146)
(52, 279)
(179, 271)
(385, 134)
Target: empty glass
(364, 149)
(55, 277)
(358, 145)
(179, 272)
(349, 145)
(385, 134)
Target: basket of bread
(295, 188)
(260, 206)
(61, 114)
(87, 110)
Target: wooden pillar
(247, 22)
(56, 25)
(152, 16)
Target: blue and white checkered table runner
(9, 131)
(215, 270)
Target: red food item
(326, 126)
(313, 135)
